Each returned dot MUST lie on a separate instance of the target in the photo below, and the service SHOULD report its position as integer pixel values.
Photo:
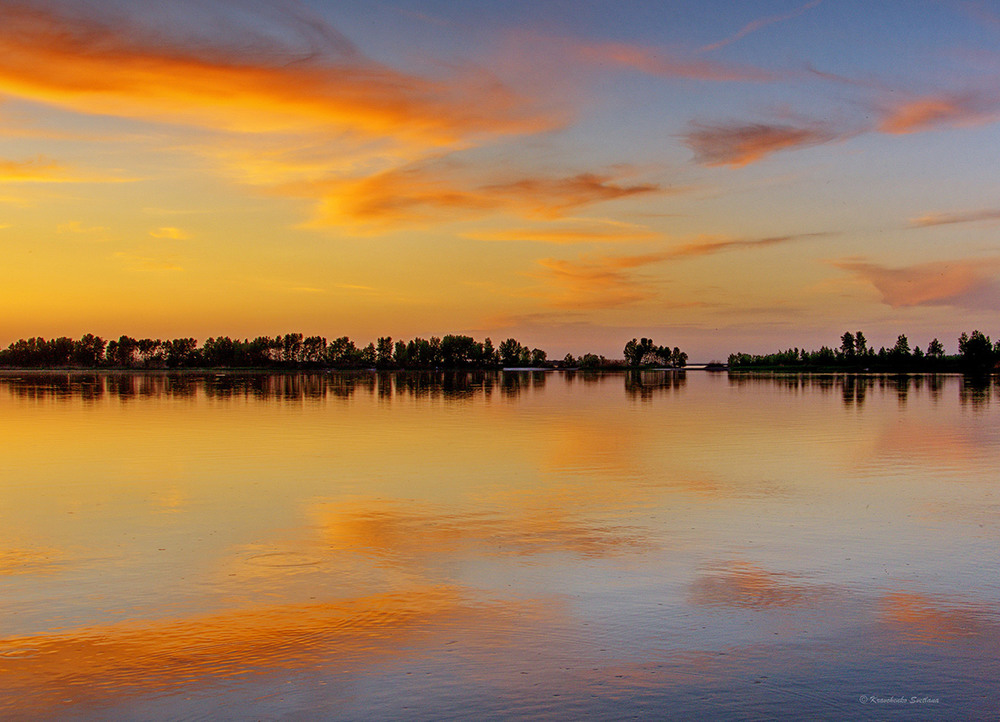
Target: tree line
(296, 351)
(292, 350)
(977, 354)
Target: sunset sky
(722, 176)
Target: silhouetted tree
(510, 352)
(181, 352)
(860, 344)
(368, 355)
(847, 344)
(313, 350)
(383, 353)
(490, 357)
(902, 347)
(978, 354)
(89, 350)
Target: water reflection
(645, 385)
(855, 388)
(748, 586)
(452, 385)
(92, 665)
(934, 619)
(978, 391)
(449, 385)
(527, 544)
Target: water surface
(545, 545)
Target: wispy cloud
(307, 290)
(970, 284)
(942, 219)
(170, 233)
(42, 169)
(601, 281)
(418, 195)
(593, 282)
(940, 110)
(707, 245)
(140, 262)
(35, 170)
(277, 98)
(552, 197)
(92, 234)
(740, 144)
(661, 63)
(101, 64)
(760, 23)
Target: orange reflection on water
(37, 560)
(132, 657)
(941, 444)
(399, 536)
(931, 619)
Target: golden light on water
(605, 536)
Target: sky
(718, 176)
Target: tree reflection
(855, 388)
(975, 391)
(644, 385)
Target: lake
(498, 545)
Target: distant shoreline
(221, 370)
(230, 371)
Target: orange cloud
(419, 194)
(945, 110)
(968, 284)
(46, 170)
(740, 145)
(78, 227)
(594, 282)
(657, 62)
(169, 233)
(116, 67)
(706, 245)
(551, 197)
(36, 170)
(941, 219)
(606, 281)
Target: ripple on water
(283, 559)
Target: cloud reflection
(745, 585)
(395, 534)
(933, 619)
(104, 663)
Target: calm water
(494, 546)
